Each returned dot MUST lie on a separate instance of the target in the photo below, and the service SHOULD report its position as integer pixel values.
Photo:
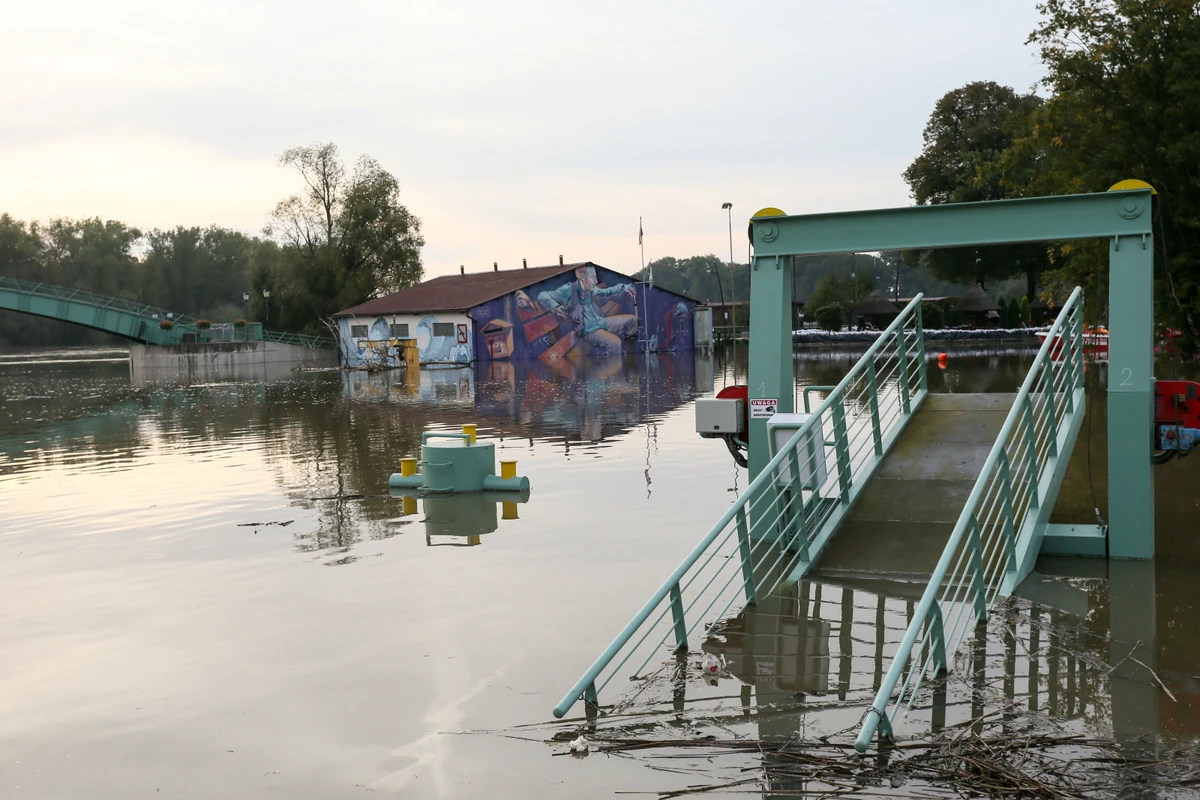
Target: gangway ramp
(948, 494)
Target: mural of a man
(578, 299)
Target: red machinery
(1176, 418)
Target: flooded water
(206, 591)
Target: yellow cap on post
(469, 430)
(408, 467)
(508, 469)
(1131, 183)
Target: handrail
(788, 510)
(93, 299)
(1026, 432)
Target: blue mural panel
(588, 311)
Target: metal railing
(98, 300)
(776, 529)
(998, 526)
(299, 339)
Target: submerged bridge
(943, 499)
(131, 320)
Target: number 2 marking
(1127, 373)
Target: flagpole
(645, 303)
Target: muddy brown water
(205, 590)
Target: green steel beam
(771, 374)
(1036, 219)
(1130, 396)
(1123, 217)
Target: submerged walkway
(901, 523)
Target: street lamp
(719, 289)
(246, 303)
(728, 207)
(266, 307)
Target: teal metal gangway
(773, 533)
(1002, 526)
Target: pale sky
(517, 129)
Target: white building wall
(436, 343)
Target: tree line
(344, 238)
(1120, 101)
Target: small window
(358, 331)
(443, 329)
(400, 331)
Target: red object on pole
(1177, 403)
(739, 393)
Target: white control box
(810, 450)
(717, 416)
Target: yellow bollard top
(470, 431)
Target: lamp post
(266, 307)
(246, 303)
(728, 208)
(719, 289)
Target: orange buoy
(943, 360)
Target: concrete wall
(458, 348)
(222, 361)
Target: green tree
(842, 292)
(1124, 77)
(347, 238)
(962, 160)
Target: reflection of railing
(1000, 521)
(98, 300)
(777, 528)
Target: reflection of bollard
(508, 510)
(508, 469)
(408, 505)
(469, 430)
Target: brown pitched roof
(457, 292)
(875, 303)
(976, 299)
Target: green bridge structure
(943, 499)
(131, 320)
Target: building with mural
(547, 313)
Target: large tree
(962, 161)
(346, 236)
(1124, 77)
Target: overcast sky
(517, 129)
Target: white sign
(763, 408)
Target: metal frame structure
(1122, 217)
(777, 528)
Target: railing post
(1051, 406)
(1078, 334)
(973, 542)
(747, 559)
(922, 378)
(841, 444)
(1010, 532)
(902, 357)
(1031, 454)
(677, 615)
(873, 395)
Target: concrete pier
(223, 361)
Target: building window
(358, 331)
(400, 330)
(443, 329)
